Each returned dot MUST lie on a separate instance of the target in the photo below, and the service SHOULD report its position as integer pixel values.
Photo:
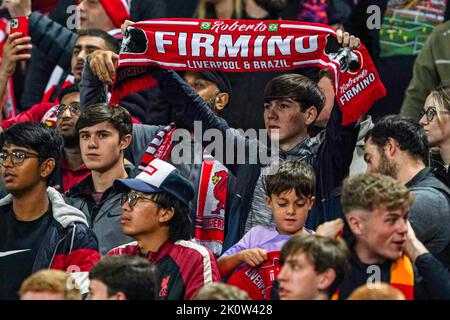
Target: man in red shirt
(155, 213)
(72, 169)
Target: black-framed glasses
(74, 108)
(132, 198)
(17, 157)
(430, 112)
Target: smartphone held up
(20, 25)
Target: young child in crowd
(289, 196)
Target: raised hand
(17, 8)
(15, 44)
(103, 65)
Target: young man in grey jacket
(105, 133)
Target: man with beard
(72, 169)
(87, 42)
(398, 147)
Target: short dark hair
(323, 252)
(110, 41)
(297, 87)
(409, 135)
(68, 90)
(38, 137)
(180, 226)
(132, 275)
(295, 175)
(117, 116)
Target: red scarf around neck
(245, 46)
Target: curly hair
(370, 191)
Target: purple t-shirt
(260, 237)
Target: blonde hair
(237, 9)
(221, 291)
(54, 281)
(381, 292)
(374, 190)
(441, 94)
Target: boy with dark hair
(289, 193)
(38, 230)
(122, 278)
(312, 267)
(104, 133)
(156, 215)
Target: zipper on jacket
(56, 249)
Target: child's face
(289, 211)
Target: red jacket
(184, 267)
(35, 114)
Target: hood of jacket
(62, 212)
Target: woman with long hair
(436, 122)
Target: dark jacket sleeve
(332, 166)
(81, 254)
(433, 281)
(40, 68)
(191, 108)
(147, 106)
(84, 249)
(53, 39)
(335, 153)
(92, 90)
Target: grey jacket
(430, 212)
(103, 218)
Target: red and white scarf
(212, 192)
(243, 46)
(55, 80)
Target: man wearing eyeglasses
(38, 230)
(87, 42)
(155, 213)
(64, 117)
(398, 147)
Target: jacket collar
(422, 175)
(155, 257)
(86, 186)
(62, 212)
